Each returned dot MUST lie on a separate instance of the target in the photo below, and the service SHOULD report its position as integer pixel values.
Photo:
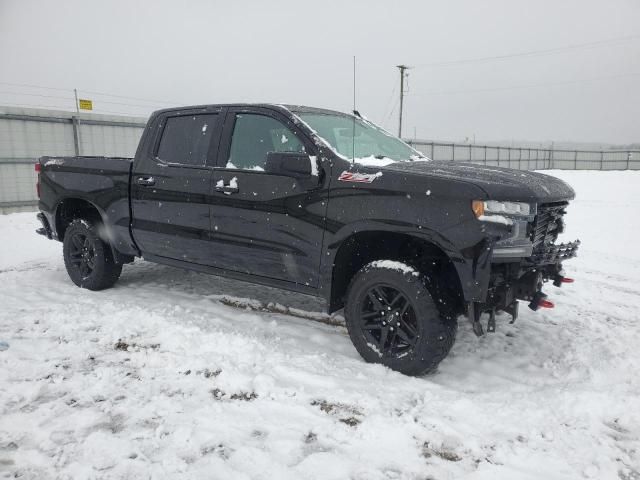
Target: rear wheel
(88, 259)
(396, 317)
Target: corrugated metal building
(26, 134)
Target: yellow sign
(85, 104)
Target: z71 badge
(358, 177)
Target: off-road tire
(100, 271)
(433, 316)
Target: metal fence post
(601, 160)
(575, 161)
(453, 152)
(520, 158)
(432, 149)
(485, 154)
(469, 153)
(76, 135)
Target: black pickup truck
(322, 203)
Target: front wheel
(88, 259)
(395, 316)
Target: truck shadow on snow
(232, 292)
(502, 355)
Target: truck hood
(497, 182)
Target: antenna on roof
(355, 112)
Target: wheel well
(364, 247)
(72, 208)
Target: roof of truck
(291, 108)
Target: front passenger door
(264, 223)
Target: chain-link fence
(524, 158)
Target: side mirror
(292, 164)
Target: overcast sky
(187, 52)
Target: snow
(313, 160)
(393, 265)
(372, 161)
(233, 183)
(54, 161)
(175, 374)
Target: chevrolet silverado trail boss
(322, 203)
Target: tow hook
(491, 323)
(559, 280)
(539, 300)
(474, 312)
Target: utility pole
(402, 77)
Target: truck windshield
(372, 145)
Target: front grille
(547, 225)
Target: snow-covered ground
(163, 377)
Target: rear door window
(186, 139)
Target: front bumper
(516, 279)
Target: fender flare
(472, 265)
(117, 255)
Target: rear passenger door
(171, 186)
(266, 224)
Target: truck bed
(102, 182)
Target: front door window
(254, 136)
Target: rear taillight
(38, 170)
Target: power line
(132, 98)
(58, 107)
(36, 95)
(100, 101)
(531, 53)
(389, 103)
(535, 85)
(36, 86)
(393, 109)
(89, 91)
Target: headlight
(508, 209)
(512, 242)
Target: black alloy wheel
(82, 254)
(389, 320)
(397, 316)
(87, 257)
